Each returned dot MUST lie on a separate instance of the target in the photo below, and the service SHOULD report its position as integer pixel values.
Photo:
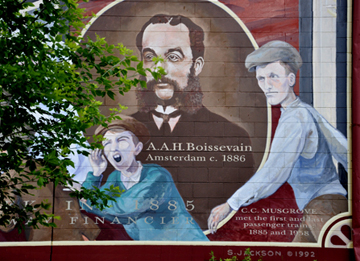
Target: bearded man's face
(172, 43)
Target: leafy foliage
(50, 85)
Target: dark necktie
(165, 127)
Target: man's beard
(188, 99)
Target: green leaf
(140, 65)
(111, 95)
(58, 38)
(143, 84)
(134, 59)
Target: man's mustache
(151, 84)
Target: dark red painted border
(199, 253)
(173, 253)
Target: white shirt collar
(294, 103)
(168, 109)
(133, 179)
(172, 121)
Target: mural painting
(222, 147)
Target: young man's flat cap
(274, 51)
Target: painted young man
(301, 151)
(150, 208)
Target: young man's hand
(98, 162)
(217, 215)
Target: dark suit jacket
(208, 157)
